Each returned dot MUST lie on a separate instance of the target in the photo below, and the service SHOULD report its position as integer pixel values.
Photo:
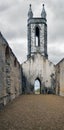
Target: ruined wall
(10, 73)
(60, 78)
(37, 67)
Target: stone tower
(37, 33)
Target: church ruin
(37, 65)
(16, 79)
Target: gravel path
(33, 112)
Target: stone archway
(37, 86)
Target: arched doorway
(37, 86)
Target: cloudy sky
(13, 25)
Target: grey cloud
(14, 22)
(5, 5)
(56, 31)
(55, 52)
(56, 57)
(20, 50)
(14, 34)
(3, 8)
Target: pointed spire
(43, 13)
(30, 13)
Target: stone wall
(37, 67)
(60, 78)
(10, 73)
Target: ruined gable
(38, 67)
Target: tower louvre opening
(37, 36)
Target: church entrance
(37, 86)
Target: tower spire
(30, 13)
(43, 13)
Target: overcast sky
(13, 25)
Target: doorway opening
(37, 86)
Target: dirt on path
(33, 112)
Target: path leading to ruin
(33, 112)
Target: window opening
(37, 37)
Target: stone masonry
(38, 67)
(37, 28)
(10, 73)
(60, 78)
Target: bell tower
(37, 33)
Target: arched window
(37, 32)
(37, 86)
